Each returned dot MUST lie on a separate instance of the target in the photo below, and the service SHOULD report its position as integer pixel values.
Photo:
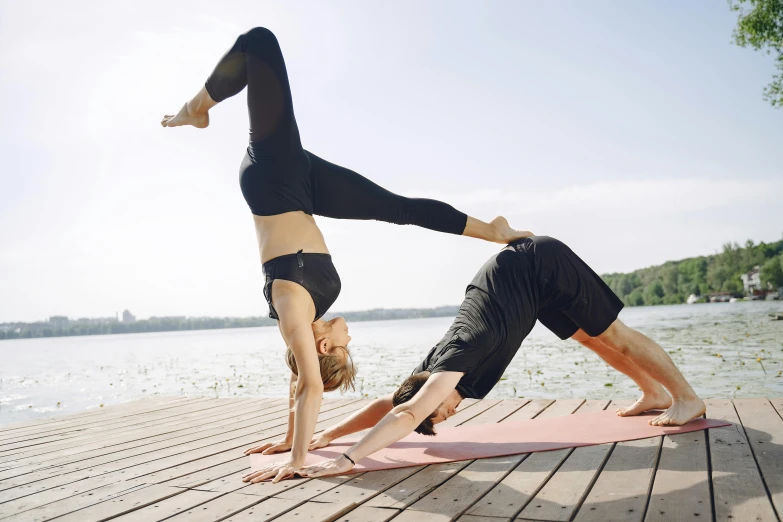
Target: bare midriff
(288, 233)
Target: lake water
(723, 349)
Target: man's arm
(363, 419)
(396, 425)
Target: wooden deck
(181, 459)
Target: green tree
(760, 26)
(772, 272)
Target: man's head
(331, 343)
(411, 386)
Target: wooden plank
(53, 453)
(82, 431)
(531, 470)
(681, 485)
(778, 405)
(369, 514)
(122, 504)
(101, 418)
(126, 458)
(168, 507)
(218, 509)
(51, 494)
(566, 489)
(764, 430)
(47, 511)
(70, 453)
(623, 487)
(68, 504)
(68, 417)
(738, 490)
(268, 509)
(31, 442)
(478, 518)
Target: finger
(250, 476)
(273, 449)
(263, 476)
(282, 474)
(258, 449)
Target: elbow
(309, 388)
(406, 415)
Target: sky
(636, 133)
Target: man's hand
(327, 467)
(270, 447)
(320, 441)
(278, 470)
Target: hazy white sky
(636, 133)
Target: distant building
(128, 317)
(96, 320)
(58, 321)
(751, 281)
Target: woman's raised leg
(343, 194)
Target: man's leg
(649, 357)
(654, 396)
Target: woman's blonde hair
(337, 372)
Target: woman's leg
(256, 61)
(343, 194)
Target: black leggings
(278, 175)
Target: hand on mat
(320, 441)
(327, 467)
(270, 447)
(278, 470)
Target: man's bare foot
(680, 412)
(648, 401)
(505, 234)
(186, 117)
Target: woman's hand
(278, 470)
(320, 441)
(270, 447)
(327, 467)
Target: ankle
(195, 108)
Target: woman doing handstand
(284, 186)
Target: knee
(614, 338)
(259, 34)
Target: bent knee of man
(581, 336)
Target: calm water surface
(724, 350)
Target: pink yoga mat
(496, 440)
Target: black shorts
(571, 294)
(315, 272)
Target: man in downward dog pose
(533, 278)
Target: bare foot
(186, 117)
(680, 412)
(505, 234)
(648, 401)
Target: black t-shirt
(498, 312)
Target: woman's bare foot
(648, 401)
(505, 234)
(680, 412)
(186, 117)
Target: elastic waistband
(296, 256)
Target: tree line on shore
(673, 281)
(67, 328)
(670, 283)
